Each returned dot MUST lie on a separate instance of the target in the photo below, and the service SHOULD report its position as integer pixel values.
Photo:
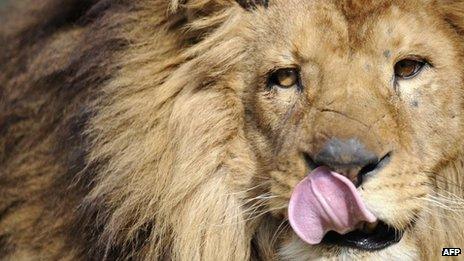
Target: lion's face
(372, 92)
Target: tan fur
(145, 129)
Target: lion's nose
(349, 158)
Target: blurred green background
(2, 2)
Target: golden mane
(176, 185)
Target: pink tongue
(326, 201)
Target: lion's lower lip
(383, 236)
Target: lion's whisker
(282, 227)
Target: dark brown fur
(45, 106)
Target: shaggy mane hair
(117, 134)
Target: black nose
(349, 158)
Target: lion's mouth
(326, 208)
(370, 237)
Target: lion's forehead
(325, 30)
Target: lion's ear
(251, 4)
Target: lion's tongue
(326, 201)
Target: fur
(144, 130)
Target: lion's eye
(408, 68)
(284, 78)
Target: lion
(231, 130)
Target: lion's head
(372, 90)
(214, 116)
(263, 96)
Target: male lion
(231, 130)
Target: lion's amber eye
(284, 78)
(408, 68)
